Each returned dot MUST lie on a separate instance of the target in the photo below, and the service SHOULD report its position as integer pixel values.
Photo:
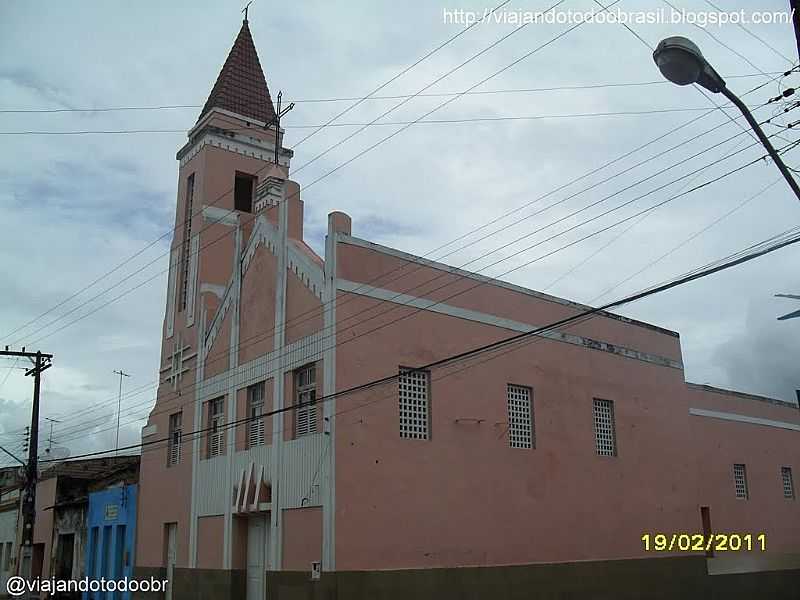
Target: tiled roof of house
(241, 87)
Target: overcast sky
(73, 207)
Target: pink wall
(43, 527)
(363, 265)
(718, 444)
(164, 491)
(302, 538)
(210, 533)
(464, 497)
(165, 494)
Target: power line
(260, 336)
(557, 88)
(753, 35)
(624, 113)
(505, 342)
(381, 141)
(362, 334)
(224, 194)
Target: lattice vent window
(414, 404)
(740, 481)
(604, 430)
(788, 482)
(520, 417)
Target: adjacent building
(83, 509)
(264, 461)
(10, 487)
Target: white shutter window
(413, 399)
(255, 425)
(520, 417)
(604, 430)
(740, 481)
(788, 482)
(175, 434)
(305, 418)
(216, 421)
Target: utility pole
(121, 374)
(50, 438)
(41, 362)
(793, 6)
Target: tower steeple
(241, 87)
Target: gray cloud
(72, 207)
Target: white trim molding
(385, 295)
(347, 239)
(726, 416)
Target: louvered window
(216, 421)
(305, 400)
(175, 433)
(255, 424)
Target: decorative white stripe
(221, 216)
(216, 321)
(480, 317)
(346, 239)
(192, 283)
(305, 268)
(726, 416)
(149, 430)
(171, 291)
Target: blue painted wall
(112, 537)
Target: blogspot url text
(660, 16)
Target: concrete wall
(654, 579)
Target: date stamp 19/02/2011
(700, 542)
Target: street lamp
(682, 63)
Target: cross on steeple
(244, 10)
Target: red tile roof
(241, 87)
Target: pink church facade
(569, 446)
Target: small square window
(605, 435)
(520, 417)
(740, 481)
(788, 482)
(413, 400)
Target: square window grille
(520, 417)
(788, 482)
(413, 399)
(604, 431)
(740, 481)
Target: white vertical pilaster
(233, 362)
(329, 406)
(276, 526)
(200, 362)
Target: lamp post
(681, 62)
